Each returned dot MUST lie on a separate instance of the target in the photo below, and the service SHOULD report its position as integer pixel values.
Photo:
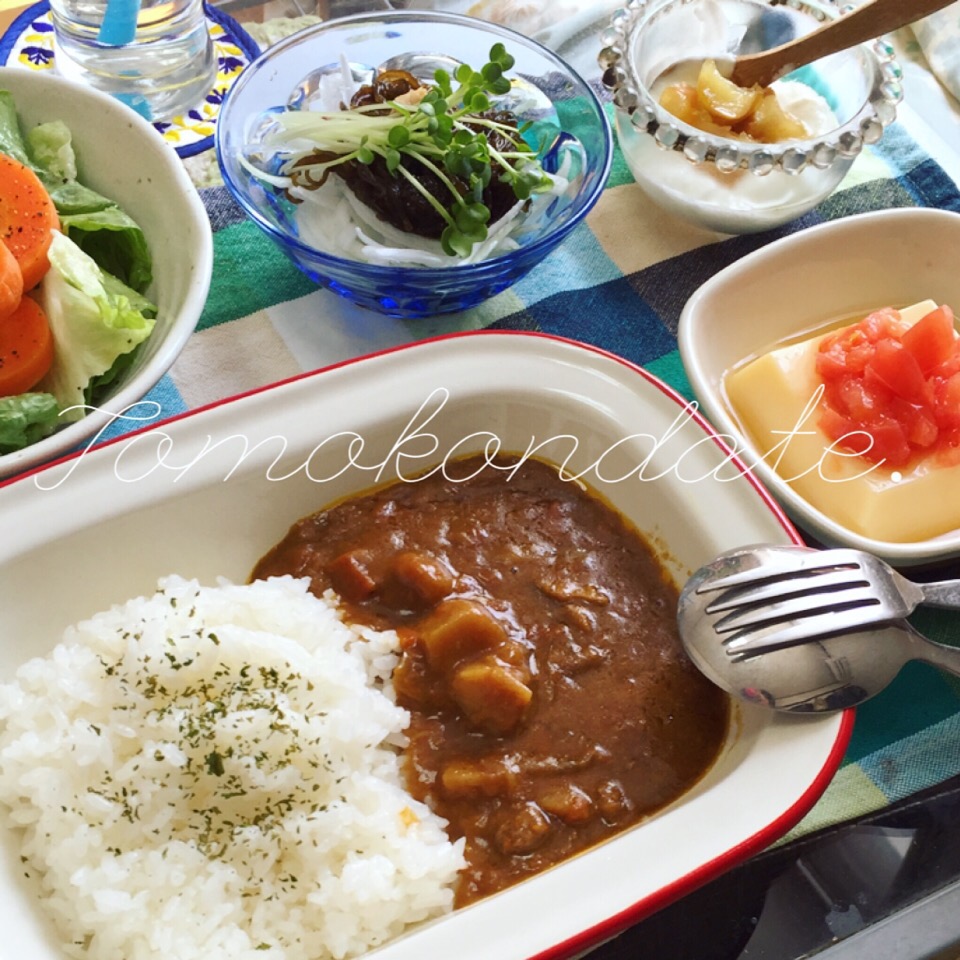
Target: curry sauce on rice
(215, 772)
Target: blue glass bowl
(563, 109)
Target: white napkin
(939, 38)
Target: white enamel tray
(207, 494)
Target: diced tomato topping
(831, 364)
(949, 454)
(890, 442)
(923, 431)
(950, 368)
(882, 324)
(919, 426)
(948, 401)
(841, 428)
(898, 384)
(932, 340)
(897, 368)
(862, 400)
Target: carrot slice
(11, 282)
(26, 348)
(27, 217)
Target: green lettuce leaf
(51, 148)
(25, 419)
(114, 241)
(11, 139)
(94, 222)
(94, 318)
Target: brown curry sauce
(552, 705)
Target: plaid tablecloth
(618, 282)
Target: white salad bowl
(206, 494)
(791, 287)
(122, 156)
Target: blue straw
(119, 22)
(119, 26)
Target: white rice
(213, 772)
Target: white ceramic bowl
(834, 270)
(123, 157)
(207, 494)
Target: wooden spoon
(871, 20)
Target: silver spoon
(816, 676)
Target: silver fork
(774, 596)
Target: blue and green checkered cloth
(619, 282)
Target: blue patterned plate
(28, 43)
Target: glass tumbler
(155, 55)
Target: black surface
(800, 899)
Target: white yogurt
(806, 105)
(740, 201)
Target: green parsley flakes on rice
(214, 772)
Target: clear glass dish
(562, 106)
(723, 183)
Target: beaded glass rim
(843, 143)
